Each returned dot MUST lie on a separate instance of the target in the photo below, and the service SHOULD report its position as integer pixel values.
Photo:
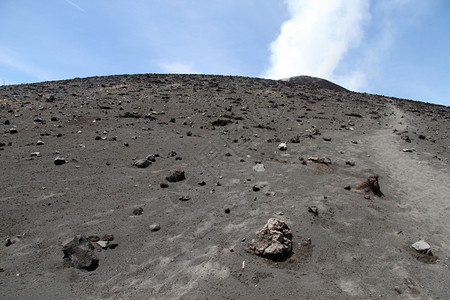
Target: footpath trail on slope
(422, 191)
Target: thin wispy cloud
(177, 68)
(75, 5)
(316, 37)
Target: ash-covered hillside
(154, 186)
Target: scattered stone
(176, 175)
(164, 185)
(202, 183)
(9, 242)
(93, 238)
(54, 119)
(273, 241)
(36, 154)
(256, 188)
(155, 227)
(59, 161)
(408, 150)
(103, 244)
(422, 247)
(422, 137)
(184, 198)
(320, 160)
(259, 168)
(227, 210)
(138, 211)
(354, 115)
(406, 139)
(367, 196)
(314, 210)
(80, 252)
(142, 163)
(327, 139)
(282, 147)
(350, 163)
(13, 131)
(40, 143)
(295, 139)
(221, 122)
(151, 158)
(371, 184)
(348, 187)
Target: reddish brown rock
(370, 185)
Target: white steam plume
(316, 37)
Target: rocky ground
(95, 158)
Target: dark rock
(221, 122)
(13, 131)
(327, 139)
(348, 187)
(6, 122)
(354, 115)
(227, 210)
(202, 183)
(98, 138)
(59, 161)
(273, 241)
(172, 120)
(80, 252)
(40, 143)
(138, 211)
(422, 137)
(184, 198)
(314, 210)
(256, 188)
(151, 158)
(176, 175)
(54, 119)
(163, 185)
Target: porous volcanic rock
(273, 241)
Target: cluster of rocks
(79, 252)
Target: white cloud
(75, 5)
(177, 68)
(316, 38)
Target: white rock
(103, 244)
(421, 246)
(259, 168)
(282, 147)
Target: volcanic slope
(225, 134)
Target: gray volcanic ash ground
(94, 158)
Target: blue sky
(398, 48)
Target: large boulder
(80, 252)
(273, 241)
